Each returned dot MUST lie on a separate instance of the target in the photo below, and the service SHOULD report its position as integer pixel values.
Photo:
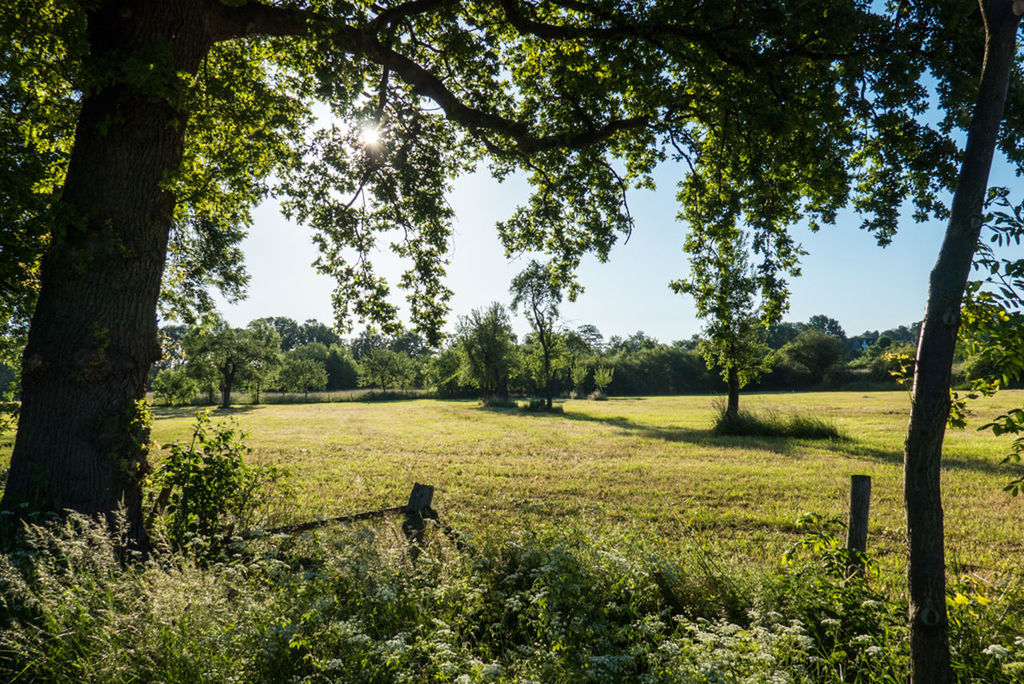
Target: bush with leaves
(208, 491)
(175, 387)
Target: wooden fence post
(419, 502)
(857, 529)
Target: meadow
(649, 465)
(617, 541)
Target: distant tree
(689, 344)
(263, 350)
(603, 376)
(215, 357)
(384, 368)
(736, 302)
(538, 297)
(365, 342)
(175, 387)
(829, 326)
(287, 329)
(342, 371)
(814, 352)
(592, 336)
(409, 343)
(487, 346)
(315, 351)
(444, 372)
(778, 334)
(229, 354)
(314, 331)
(302, 375)
(635, 342)
(578, 373)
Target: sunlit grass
(644, 464)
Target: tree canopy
(142, 134)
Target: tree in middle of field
(726, 292)
(534, 292)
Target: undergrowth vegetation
(351, 605)
(559, 599)
(770, 423)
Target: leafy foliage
(302, 374)
(735, 301)
(538, 296)
(174, 386)
(487, 347)
(207, 490)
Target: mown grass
(647, 464)
(616, 541)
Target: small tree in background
(263, 348)
(342, 371)
(487, 346)
(814, 352)
(725, 291)
(603, 377)
(174, 387)
(384, 368)
(302, 375)
(579, 374)
(538, 297)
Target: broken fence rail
(417, 512)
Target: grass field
(646, 464)
(617, 541)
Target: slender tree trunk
(81, 435)
(547, 378)
(227, 382)
(732, 409)
(929, 640)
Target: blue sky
(845, 274)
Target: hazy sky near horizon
(846, 275)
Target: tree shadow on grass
(975, 465)
(700, 437)
(191, 411)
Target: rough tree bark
(93, 333)
(929, 640)
(732, 409)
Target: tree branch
(252, 18)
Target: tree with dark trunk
(735, 304)
(539, 298)
(486, 347)
(929, 625)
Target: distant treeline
(484, 357)
(278, 354)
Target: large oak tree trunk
(929, 640)
(81, 439)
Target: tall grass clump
(773, 424)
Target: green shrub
(496, 402)
(174, 387)
(208, 492)
(575, 605)
(539, 405)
